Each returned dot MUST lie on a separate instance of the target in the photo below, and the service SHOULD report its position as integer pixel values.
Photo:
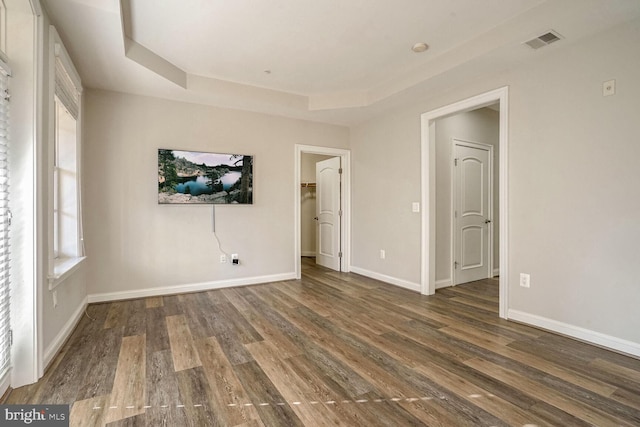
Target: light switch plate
(415, 207)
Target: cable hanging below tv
(195, 177)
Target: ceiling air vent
(543, 40)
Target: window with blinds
(66, 250)
(5, 223)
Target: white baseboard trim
(55, 346)
(496, 272)
(194, 287)
(614, 343)
(387, 279)
(444, 283)
(308, 253)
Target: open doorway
(467, 208)
(319, 209)
(498, 100)
(322, 211)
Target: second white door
(328, 212)
(472, 212)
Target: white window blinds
(5, 222)
(66, 90)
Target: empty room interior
(296, 212)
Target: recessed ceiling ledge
(333, 101)
(143, 56)
(223, 88)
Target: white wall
(23, 147)
(483, 126)
(308, 203)
(134, 244)
(574, 198)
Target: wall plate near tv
(195, 177)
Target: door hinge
(455, 214)
(340, 213)
(10, 337)
(339, 254)
(455, 265)
(340, 171)
(455, 162)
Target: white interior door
(472, 212)
(328, 213)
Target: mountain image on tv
(194, 177)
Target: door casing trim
(428, 159)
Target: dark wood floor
(331, 349)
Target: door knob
(315, 217)
(487, 221)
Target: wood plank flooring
(331, 349)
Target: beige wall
(385, 182)
(574, 198)
(483, 126)
(135, 244)
(308, 203)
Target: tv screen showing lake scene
(192, 177)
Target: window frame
(61, 267)
(3, 31)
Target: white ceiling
(311, 46)
(328, 60)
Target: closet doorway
(322, 206)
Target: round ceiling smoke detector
(420, 47)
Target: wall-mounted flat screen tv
(195, 177)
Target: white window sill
(62, 269)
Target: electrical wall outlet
(223, 258)
(382, 254)
(234, 259)
(525, 280)
(415, 207)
